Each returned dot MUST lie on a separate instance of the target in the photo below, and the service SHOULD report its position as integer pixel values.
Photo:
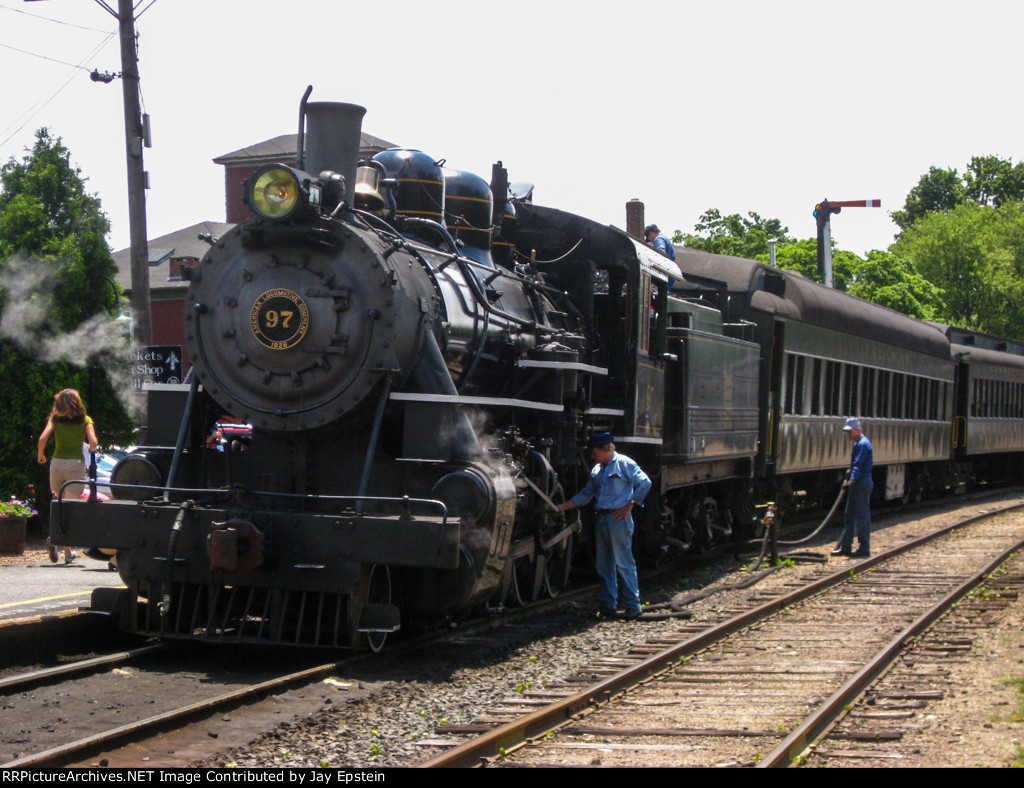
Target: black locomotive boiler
(421, 355)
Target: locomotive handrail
(461, 261)
(404, 501)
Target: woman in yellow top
(71, 427)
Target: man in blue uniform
(618, 484)
(661, 243)
(858, 494)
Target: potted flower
(14, 513)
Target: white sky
(734, 104)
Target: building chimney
(635, 218)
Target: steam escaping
(24, 321)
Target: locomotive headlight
(275, 192)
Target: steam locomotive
(421, 355)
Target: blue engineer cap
(599, 439)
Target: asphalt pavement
(39, 588)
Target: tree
(802, 256)
(937, 190)
(975, 255)
(46, 214)
(57, 298)
(733, 234)
(988, 180)
(886, 279)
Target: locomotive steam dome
(292, 336)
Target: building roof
(283, 149)
(180, 243)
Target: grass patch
(1018, 714)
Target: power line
(36, 108)
(43, 57)
(50, 19)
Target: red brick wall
(168, 325)
(236, 211)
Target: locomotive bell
(367, 189)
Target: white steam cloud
(29, 286)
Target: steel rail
(477, 751)
(82, 666)
(130, 732)
(821, 720)
(124, 734)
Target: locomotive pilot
(858, 494)
(618, 484)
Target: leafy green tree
(802, 256)
(938, 190)
(988, 180)
(975, 255)
(886, 279)
(46, 215)
(57, 298)
(733, 234)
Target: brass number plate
(279, 319)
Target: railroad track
(108, 731)
(66, 713)
(85, 687)
(772, 678)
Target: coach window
(790, 382)
(798, 387)
(867, 397)
(849, 389)
(831, 388)
(816, 387)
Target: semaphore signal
(822, 214)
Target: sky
(687, 105)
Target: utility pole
(142, 322)
(134, 135)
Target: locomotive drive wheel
(558, 565)
(520, 590)
(378, 595)
(558, 568)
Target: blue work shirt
(615, 484)
(664, 245)
(862, 460)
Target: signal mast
(822, 213)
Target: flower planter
(12, 535)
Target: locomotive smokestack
(635, 218)
(333, 133)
